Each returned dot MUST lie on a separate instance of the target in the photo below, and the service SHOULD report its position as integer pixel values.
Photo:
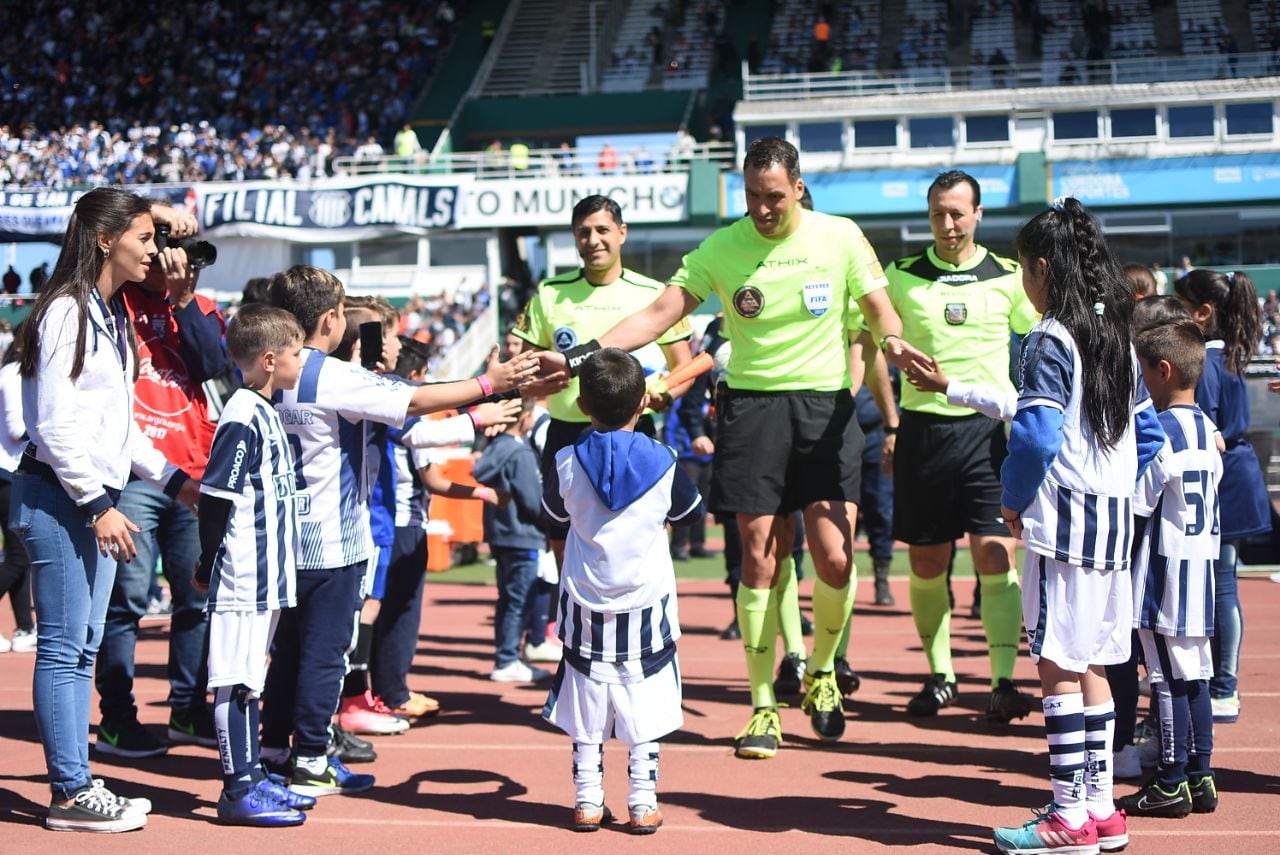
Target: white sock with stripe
(1064, 728)
(1099, 738)
(588, 773)
(642, 771)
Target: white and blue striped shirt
(325, 417)
(1082, 513)
(251, 466)
(1173, 566)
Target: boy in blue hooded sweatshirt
(618, 619)
(513, 531)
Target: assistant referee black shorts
(946, 477)
(778, 452)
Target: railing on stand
(540, 162)
(922, 81)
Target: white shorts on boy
(1184, 657)
(238, 646)
(1076, 616)
(590, 711)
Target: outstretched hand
(517, 372)
(926, 376)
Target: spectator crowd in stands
(112, 94)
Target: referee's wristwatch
(890, 431)
(884, 342)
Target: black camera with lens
(200, 253)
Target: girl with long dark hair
(1083, 430)
(1225, 305)
(78, 366)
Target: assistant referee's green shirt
(786, 302)
(961, 315)
(567, 311)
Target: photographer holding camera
(179, 347)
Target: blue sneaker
(335, 780)
(1048, 833)
(275, 787)
(258, 807)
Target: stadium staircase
(449, 87)
(546, 46)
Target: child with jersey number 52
(1083, 432)
(248, 543)
(1173, 574)
(618, 618)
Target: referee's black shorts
(946, 477)
(778, 452)
(561, 434)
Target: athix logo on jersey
(564, 338)
(748, 301)
(817, 298)
(782, 262)
(956, 313)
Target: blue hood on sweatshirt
(622, 465)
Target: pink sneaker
(1113, 832)
(1047, 833)
(361, 715)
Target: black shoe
(349, 748)
(790, 676)
(679, 555)
(846, 678)
(192, 727)
(938, 693)
(1007, 703)
(1152, 800)
(731, 632)
(806, 626)
(824, 705)
(701, 552)
(127, 738)
(1204, 795)
(884, 595)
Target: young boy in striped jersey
(248, 539)
(327, 418)
(618, 619)
(1173, 574)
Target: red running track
(489, 775)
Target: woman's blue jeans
(71, 584)
(1228, 624)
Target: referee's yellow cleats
(760, 738)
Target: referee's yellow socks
(931, 609)
(786, 598)
(1002, 621)
(759, 626)
(831, 608)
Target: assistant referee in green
(958, 302)
(788, 434)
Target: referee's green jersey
(567, 310)
(786, 302)
(961, 315)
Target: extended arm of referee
(886, 328)
(646, 325)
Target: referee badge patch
(956, 314)
(817, 298)
(748, 301)
(564, 338)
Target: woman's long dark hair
(108, 211)
(1083, 274)
(1236, 320)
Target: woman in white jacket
(78, 366)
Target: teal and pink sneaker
(1047, 833)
